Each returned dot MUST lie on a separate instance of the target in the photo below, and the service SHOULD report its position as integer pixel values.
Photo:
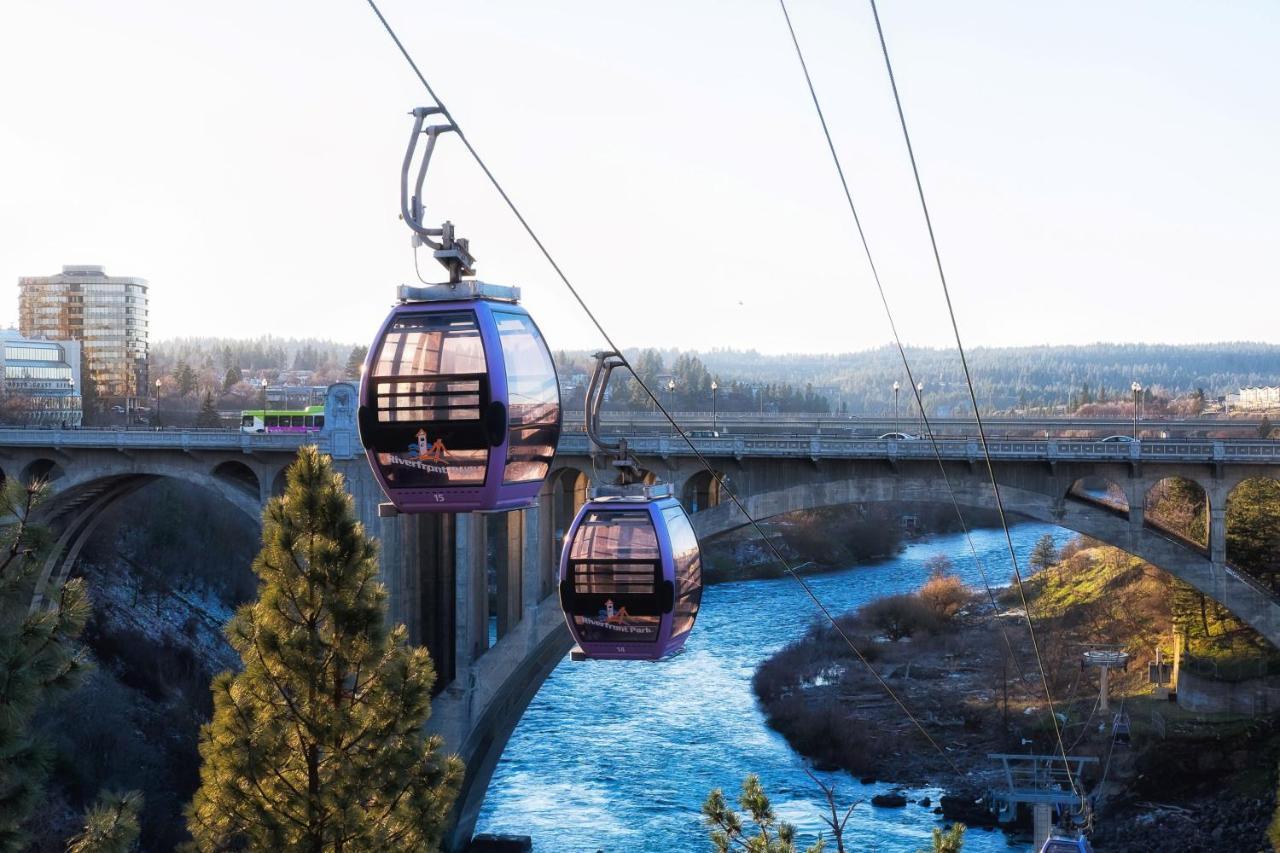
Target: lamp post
(920, 402)
(157, 402)
(896, 387)
(264, 404)
(714, 386)
(1137, 391)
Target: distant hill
(858, 382)
(1004, 377)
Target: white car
(899, 436)
(1115, 438)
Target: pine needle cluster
(39, 656)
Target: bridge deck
(1216, 451)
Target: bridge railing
(192, 439)
(1013, 449)
(1234, 451)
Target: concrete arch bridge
(440, 570)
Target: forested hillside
(1060, 377)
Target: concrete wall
(1254, 697)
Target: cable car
(630, 570)
(460, 406)
(459, 400)
(631, 576)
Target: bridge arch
(1253, 505)
(701, 491)
(238, 475)
(1181, 506)
(78, 501)
(1245, 597)
(42, 468)
(1100, 490)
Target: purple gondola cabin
(460, 407)
(631, 578)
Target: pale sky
(1097, 170)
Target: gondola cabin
(460, 406)
(631, 577)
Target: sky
(1096, 170)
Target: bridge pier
(492, 685)
(1218, 532)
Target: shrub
(900, 616)
(944, 595)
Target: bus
(310, 419)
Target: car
(703, 433)
(899, 436)
(119, 410)
(1116, 438)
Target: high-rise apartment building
(107, 314)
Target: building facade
(106, 314)
(1257, 398)
(40, 381)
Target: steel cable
(973, 397)
(777, 554)
(897, 339)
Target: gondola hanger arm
(452, 252)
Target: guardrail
(1236, 451)
(151, 439)
(963, 449)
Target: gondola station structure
(459, 401)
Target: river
(618, 756)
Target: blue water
(618, 756)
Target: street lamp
(714, 386)
(920, 402)
(264, 404)
(157, 402)
(1137, 390)
(896, 387)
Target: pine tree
(111, 826)
(38, 657)
(951, 841)
(185, 378)
(208, 417)
(232, 378)
(727, 833)
(1045, 553)
(317, 744)
(355, 361)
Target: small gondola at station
(631, 568)
(459, 401)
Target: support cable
(657, 403)
(897, 339)
(973, 397)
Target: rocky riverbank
(965, 668)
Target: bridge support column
(532, 567)
(542, 521)
(510, 589)
(1218, 533)
(430, 553)
(470, 590)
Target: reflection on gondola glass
(533, 399)
(430, 373)
(615, 568)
